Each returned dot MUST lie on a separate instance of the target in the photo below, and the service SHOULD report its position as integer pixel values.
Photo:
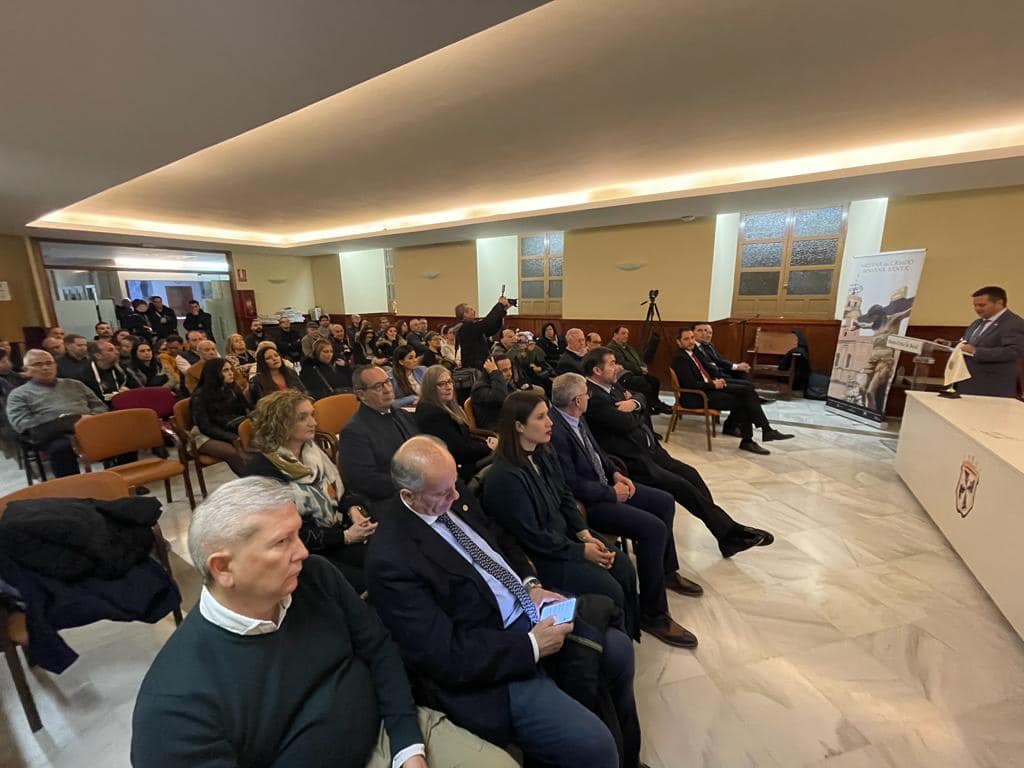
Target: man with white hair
(571, 360)
(46, 409)
(282, 663)
(206, 350)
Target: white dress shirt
(985, 325)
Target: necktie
(488, 565)
(595, 458)
(703, 371)
(979, 330)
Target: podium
(923, 360)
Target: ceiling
(89, 255)
(576, 113)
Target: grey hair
(576, 331)
(412, 458)
(35, 354)
(565, 388)
(357, 375)
(227, 515)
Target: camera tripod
(649, 338)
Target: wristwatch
(532, 581)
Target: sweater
(34, 403)
(312, 693)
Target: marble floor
(858, 640)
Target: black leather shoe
(732, 431)
(660, 407)
(750, 445)
(768, 538)
(739, 540)
(683, 586)
(669, 632)
(773, 434)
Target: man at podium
(993, 346)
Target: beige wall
(974, 238)
(294, 272)
(326, 276)
(678, 259)
(455, 283)
(24, 307)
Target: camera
(653, 294)
(511, 302)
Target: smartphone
(562, 612)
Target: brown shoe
(682, 585)
(670, 633)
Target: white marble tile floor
(857, 640)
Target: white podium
(964, 461)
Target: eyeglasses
(380, 386)
(444, 383)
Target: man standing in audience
(103, 331)
(137, 323)
(198, 320)
(206, 350)
(993, 346)
(45, 408)
(617, 422)
(373, 434)
(636, 376)
(617, 505)
(75, 362)
(105, 376)
(463, 606)
(162, 319)
(288, 340)
(474, 332)
(739, 398)
(571, 360)
(282, 663)
(710, 353)
(255, 336)
(355, 322)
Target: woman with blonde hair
(335, 523)
(235, 351)
(438, 414)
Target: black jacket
(690, 378)
(217, 414)
(252, 340)
(170, 321)
(466, 449)
(289, 344)
(366, 446)
(445, 620)
(472, 337)
(552, 349)
(137, 323)
(201, 322)
(569, 362)
(620, 434)
(577, 467)
(324, 380)
(256, 390)
(487, 396)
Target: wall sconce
(630, 266)
(430, 275)
(277, 280)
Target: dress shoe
(768, 538)
(750, 445)
(682, 585)
(669, 632)
(732, 431)
(738, 540)
(660, 407)
(141, 490)
(773, 434)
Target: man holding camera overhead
(473, 334)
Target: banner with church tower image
(878, 303)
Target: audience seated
(288, 340)
(594, 340)
(415, 338)
(173, 353)
(148, 369)
(198, 320)
(433, 355)
(324, 321)
(282, 663)
(237, 352)
(312, 337)
(192, 339)
(336, 523)
(272, 375)
(255, 335)
(730, 370)
(571, 360)
(533, 362)
(206, 350)
(105, 376)
(635, 375)
(386, 343)
(355, 324)
(550, 343)
(103, 331)
(125, 344)
(321, 374)
(373, 434)
(488, 394)
(75, 362)
(46, 408)
(448, 347)
(507, 344)
(463, 604)
(364, 352)
(438, 413)
(617, 505)
(56, 332)
(525, 491)
(472, 336)
(218, 406)
(406, 375)
(342, 350)
(162, 319)
(137, 323)
(737, 397)
(9, 379)
(617, 423)
(55, 346)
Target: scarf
(314, 480)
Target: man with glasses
(373, 434)
(46, 408)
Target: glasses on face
(380, 386)
(444, 383)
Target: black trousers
(655, 467)
(644, 383)
(744, 409)
(647, 519)
(63, 459)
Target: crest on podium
(967, 486)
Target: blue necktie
(595, 458)
(488, 565)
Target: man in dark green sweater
(282, 664)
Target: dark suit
(461, 658)
(487, 397)
(468, 451)
(646, 518)
(739, 399)
(472, 335)
(710, 353)
(366, 446)
(626, 436)
(163, 322)
(569, 362)
(995, 364)
(289, 344)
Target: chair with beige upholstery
(13, 627)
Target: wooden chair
(160, 400)
(13, 627)
(332, 414)
(711, 415)
(107, 435)
(772, 345)
(181, 423)
(245, 435)
(467, 406)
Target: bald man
(571, 360)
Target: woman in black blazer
(272, 375)
(438, 414)
(218, 407)
(525, 491)
(319, 374)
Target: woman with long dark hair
(551, 343)
(336, 523)
(147, 367)
(218, 407)
(438, 414)
(272, 375)
(365, 350)
(406, 375)
(388, 342)
(525, 491)
(319, 374)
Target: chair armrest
(183, 443)
(482, 433)
(328, 443)
(699, 392)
